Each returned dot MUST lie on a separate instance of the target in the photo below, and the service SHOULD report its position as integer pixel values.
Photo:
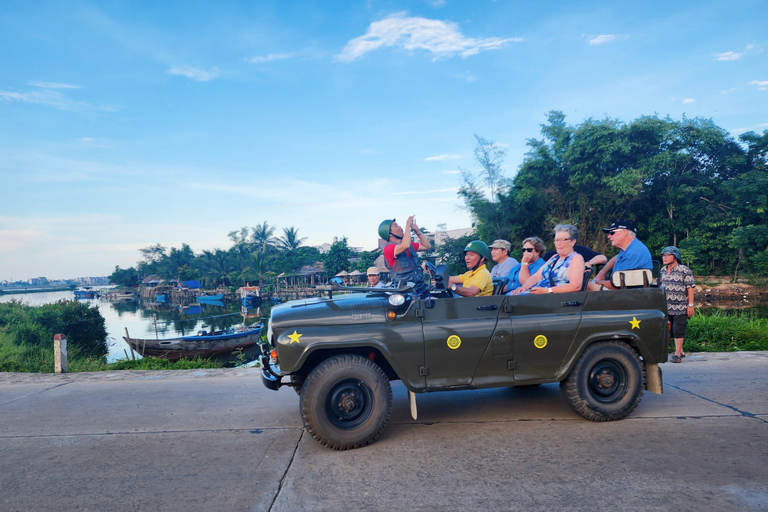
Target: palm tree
(216, 266)
(263, 237)
(290, 239)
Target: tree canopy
(686, 183)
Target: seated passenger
(477, 282)
(591, 257)
(374, 278)
(633, 254)
(500, 255)
(533, 248)
(564, 272)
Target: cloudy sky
(129, 123)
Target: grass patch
(726, 331)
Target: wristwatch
(690, 305)
(549, 290)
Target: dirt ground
(728, 295)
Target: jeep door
(457, 332)
(543, 328)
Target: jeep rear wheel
(346, 402)
(606, 383)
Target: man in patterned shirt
(678, 282)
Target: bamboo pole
(128, 339)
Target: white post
(60, 353)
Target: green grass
(727, 331)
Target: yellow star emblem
(294, 337)
(635, 323)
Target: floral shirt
(676, 281)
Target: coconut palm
(290, 239)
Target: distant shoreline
(15, 291)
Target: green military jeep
(339, 353)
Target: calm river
(145, 320)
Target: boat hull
(196, 346)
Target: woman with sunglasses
(564, 272)
(531, 262)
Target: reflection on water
(148, 320)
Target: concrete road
(216, 440)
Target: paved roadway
(216, 440)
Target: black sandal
(675, 359)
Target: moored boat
(204, 344)
(210, 298)
(86, 292)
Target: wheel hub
(605, 380)
(348, 402)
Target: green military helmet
(480, 248)
(384, 228)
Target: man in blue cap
(633, 253)
(678, 283)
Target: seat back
(585, 281)
(636, 278)
(498, 285)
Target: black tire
(346, 402)
(606, 383)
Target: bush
(26, 335)
(722, 331)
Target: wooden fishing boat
(204, 344)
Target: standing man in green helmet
(477, 282)
(400, 254)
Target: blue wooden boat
(211, 298)
(204, 344)
(86, 292)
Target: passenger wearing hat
(678, 283)
(374, 277)
(476, 282)
(633, 253)
(500, 255)
(401, 255)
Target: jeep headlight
(396, 300)
(269, 332)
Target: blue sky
(124, 124)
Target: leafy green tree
(337, 258)
(124, 277)
(178, 264)
(451, 253)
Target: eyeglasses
(562, 240)
(611, 233)
(528, 249)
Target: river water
(146, 320)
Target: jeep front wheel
(606, 383)
(346, 402)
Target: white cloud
(761, 84)
(270, 57)
(728, 91)
(729, 56)
(200, 75)
(46, 97)
(442, 158)
(436, 191)
(602, 39)
(452, 172)
(441, 38)
(53, 85)
(689, 100)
